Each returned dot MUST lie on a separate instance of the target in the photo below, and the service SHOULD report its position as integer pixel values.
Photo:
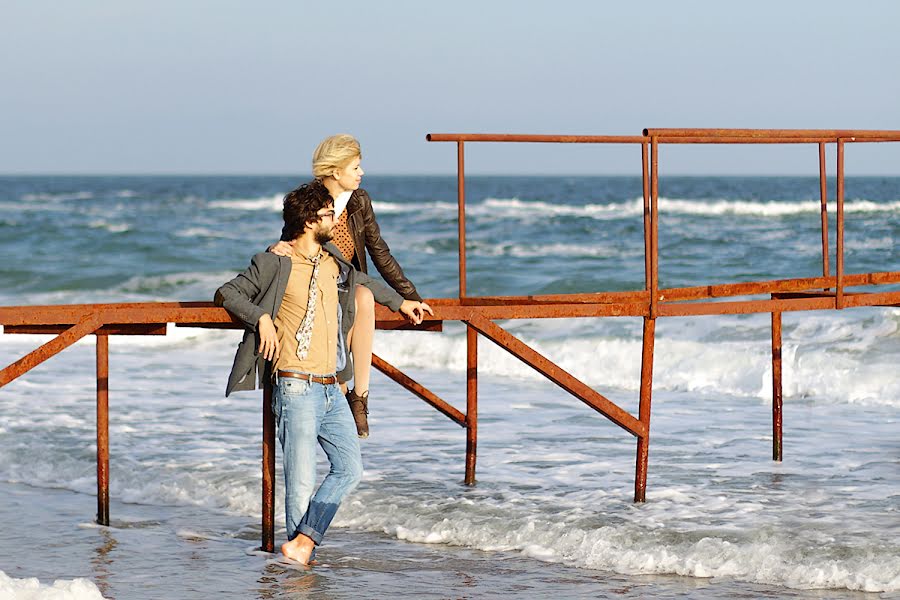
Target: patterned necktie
(304, 332)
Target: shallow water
(552, 512)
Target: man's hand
(268, 337)
(282, 248)
(415, 311)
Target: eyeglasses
(327, 213)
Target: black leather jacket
(366, 234)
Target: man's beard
(324, 236)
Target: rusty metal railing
(72, 322)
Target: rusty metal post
(645, 177)
(823, 198)
(103, 429)
(777, 398)
(471, 403)
(643, 443)
(268, 471)
(461, 199)
(839, 260)
(654, 226)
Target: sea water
(552, 511)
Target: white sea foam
(442, 207)
(18, 207)
(61, 589)
(206, 232)
(110, 227)
(846, 358)
(770, 208)
(44, 197)
(560, 250)
(517, 209)
(267, 203)
(767, 556)
(189, 285)
(513, 208)
(553, 475)
(842, 358)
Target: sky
(237, 87)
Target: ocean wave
(34, 207)
(769, 556)
(206, 232)
(171, 287)
(266, 203)
(515, 208)
(506, 208)
(445, 208)
(846, 359)
(187, 285)
(48, 197)
(771, 208)
(110, 227)
(559, 250)
(856, 354)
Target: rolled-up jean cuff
(311, 533)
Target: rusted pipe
(645, 184)
(461, 214)
(643, 441)
(775, 285)
(654, 227)
(471, 403)
(776, 388)
(268, 471)
(516, 137)
(786, 134)
(103, 430)
(823, 200)
(839, 268)
(703, 140)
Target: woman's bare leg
(360, 339)
(362, 336)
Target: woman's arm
(381, 255)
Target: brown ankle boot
(359, 406)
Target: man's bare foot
(299, 549)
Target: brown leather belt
(327, 380)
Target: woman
(336, 163)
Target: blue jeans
(306, 414)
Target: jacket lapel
(284, 272)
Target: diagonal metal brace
(86, 326)
(559, 376)
(419, 390)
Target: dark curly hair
(301, 206)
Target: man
(298, 311)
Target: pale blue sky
(233, 87)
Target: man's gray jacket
(260, 289)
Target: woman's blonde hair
(334, 152)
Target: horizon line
(453, 174)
